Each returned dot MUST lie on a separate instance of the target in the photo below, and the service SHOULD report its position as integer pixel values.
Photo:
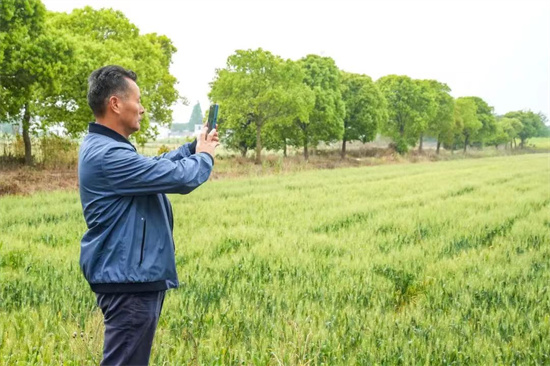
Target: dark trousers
(130, 323)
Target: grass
(539, 143)
(428, 263)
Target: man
(127, 253)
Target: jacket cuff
(193, 147)
(210, 156)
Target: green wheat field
(415, 264)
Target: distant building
(163, 132)
(197, 131)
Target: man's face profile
(130, 110)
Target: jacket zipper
(142, 242)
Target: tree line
(266, 102)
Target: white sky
(497, 50)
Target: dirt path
(28, 180)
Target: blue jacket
(128, 246)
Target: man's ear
(114, 104)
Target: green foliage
(401, 146)
(410, 107)
(286, 131)
(532, 124)
(545, 131)
(255, 90)
(32, 57)
(466, 120)
(325, 121)
(103, 37)
(511, 126)
(506, 130)
(21, 25)
(500, 136)
(440, 263)
(163, 149)
(365, 108)
(485, 114)
(239, 136)
(430, 95)
(442, 121)
(46, 59)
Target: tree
(196, 117)
(545, 128)
(409, 106)
(442, 120)
(20, 23)
(365, 106)
(428, 108)
(285, 132)
(511, 127)
(31, 59)
(256, 88)
(485, 114)
(465, 115)
(103, 37)
(325, 121)
(242, 137)
(500, 136)
(533, 124)
(49, 57)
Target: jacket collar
(106, 131)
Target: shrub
(57, 152)
(163, 149)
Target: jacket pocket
(143, 242)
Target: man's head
(114, 98)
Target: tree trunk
(343, 154)
(306, 153)
(26, 136)
(438, 147)
(258, 144)
(522, 143)
(421, 141)
(284, 148)
(243, 148)
(465, 144)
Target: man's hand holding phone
(208, 139)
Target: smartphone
(212, 117)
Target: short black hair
(103, 83)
